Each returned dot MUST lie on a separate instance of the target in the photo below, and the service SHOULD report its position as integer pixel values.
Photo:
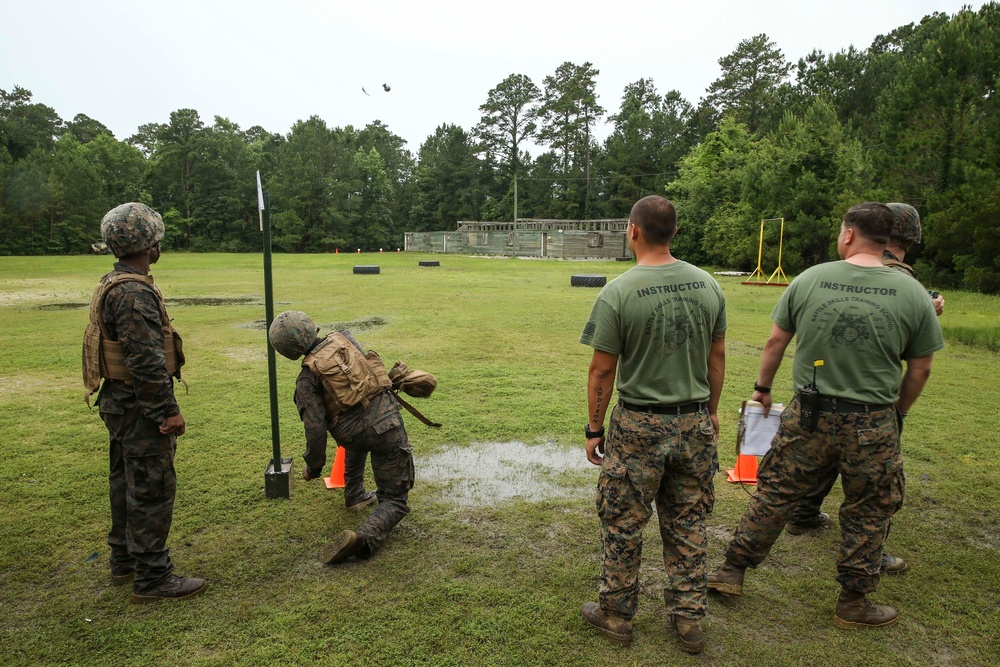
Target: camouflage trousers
(354, 475)
(142, 489)
(809, 507)
(670, 460)
(863, 447)
(392, 465)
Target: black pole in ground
(278, 475)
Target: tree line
(912, 118)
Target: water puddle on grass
(492, 472)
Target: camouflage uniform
(142, 479)
(376, 429)
(672, 460)
(862, 447)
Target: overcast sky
(130, 62)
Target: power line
(592, 177)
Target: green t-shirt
(862, 322)
(659, 320)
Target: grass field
(501, 547)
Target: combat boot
(892, 565)
(362, 502)
(121, 575)
(347, 543)
(855, 611)
(727, 578)
(821, 520)
(173, 588)
(689, 631)
(615, 628)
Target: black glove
(899, 420)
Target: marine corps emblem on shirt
(674, 332)
(850, 329)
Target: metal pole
(272, 375)
(515, 200)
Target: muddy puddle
(492, 472)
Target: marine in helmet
(905, 232)
(132, 353)
(362, 417)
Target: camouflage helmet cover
(131, 228)
(292, 333)
(905, 222)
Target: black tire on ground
(588, 280)
(429, 262)
(366, 268)
(623, 259)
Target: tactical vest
(349, 378)
(105, 358)
(899, 266)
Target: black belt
(834, 404)
(684, 409)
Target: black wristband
(599, 433)
(762, 389)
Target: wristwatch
(599, 433)
(761, 388)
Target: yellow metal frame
(757, 277)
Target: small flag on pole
(260, 200)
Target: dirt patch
(62, 306)
(33, 385)
(184, 301)
(364, 324)
(216, 301)
(27, 298)
(247, 354)
(484, 474)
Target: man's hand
(715, 424)
(763, 399)
(938, 302)
(595, 450)
(173, 425)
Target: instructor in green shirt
(662, 326)
(855, 322)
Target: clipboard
(755, 431)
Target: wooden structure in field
(529, 237)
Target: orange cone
(336, 479)
(745, 471)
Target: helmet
(905, 222)
(292, 333)
(131, 228)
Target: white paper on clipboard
(756, 431)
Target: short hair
(656, 216)
(871, 220)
